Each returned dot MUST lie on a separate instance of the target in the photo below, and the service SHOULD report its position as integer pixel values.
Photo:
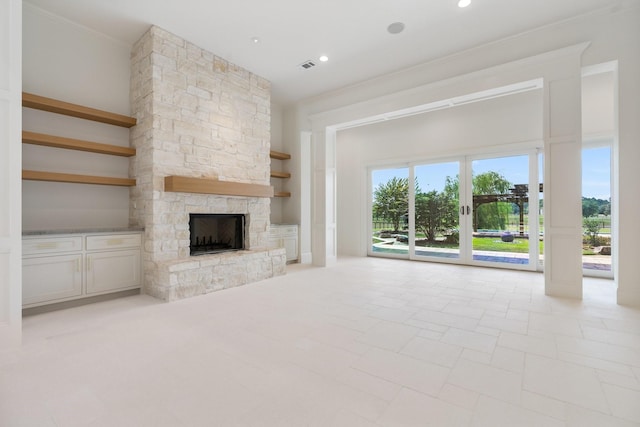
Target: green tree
(590, 207)
(491, 216)
(490, 183)
(591, 228)
(435, 213)
(391, 200)
(452, 187)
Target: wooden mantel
(184, 184)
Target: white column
(306, 169)
(563, 182)
(323, 240)
(10, 173)
(626, 154)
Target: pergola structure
(518, 195)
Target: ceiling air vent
(307, 64)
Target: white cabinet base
(285, 236)
(61, 268)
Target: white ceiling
(351, 32)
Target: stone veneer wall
(198, 116)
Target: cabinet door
(291, 246)
(51, 278)
(109, 271)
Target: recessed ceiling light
(255, 40)
(324, 58)
(464, 3)
(395, 28)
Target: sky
(596, 172)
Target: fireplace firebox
(213, 233)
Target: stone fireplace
(199, 118)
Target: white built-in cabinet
(57, 268)
(285, 236)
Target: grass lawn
(496, 245)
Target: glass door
(389, 212)
(470, 210)
(504, 229)
(436, 211)
(596, 210)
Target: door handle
(468, 210)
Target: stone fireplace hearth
(199, 116)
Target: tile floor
(369, 342)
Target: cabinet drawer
(50, 245)
(113, 241)
(282, 230)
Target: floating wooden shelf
(38, 102)
(282, 194)
(79, 179)
(186, 184)
(276, 174)
(279, 156)
(75, 144)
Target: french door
(476, 210)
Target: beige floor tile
(487, 380)
(599, 350)
(622, 339)
(371, 384)
(433, 351)
(600, 364)
(459, 396)
(528, 344)
(366, 342)
(445, 319)
(411, 408)
(564, 381)
(503, 324)
(404, 370)
(583, 417)
(624, 402)
(626, 381)
(464, 311)
(508, 359)
(346, 418)
(389, 335)
(555, 324)
(544, 405)
(470, 340)
(495, 413)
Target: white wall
(10, 194)
(613, 35)
(496, 123)
(65, 61)
(598, 105)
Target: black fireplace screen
(212, 233)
